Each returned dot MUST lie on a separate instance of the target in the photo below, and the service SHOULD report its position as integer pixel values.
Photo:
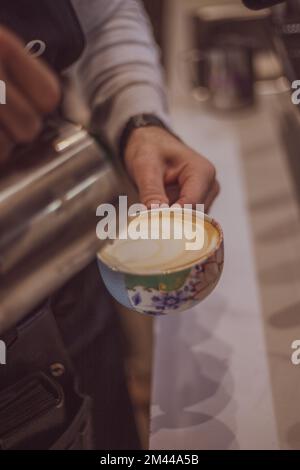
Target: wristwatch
(140, 121)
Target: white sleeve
(120, 70)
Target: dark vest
(53, 22)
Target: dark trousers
(101, 375)
(65, 331)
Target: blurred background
(219, 376)
(222, 376)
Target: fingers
(173, 193)
(167, 171)
(33, 79)
(32, 92)
(212, 195)
(18, 117)
(148, 174)
(197, 181)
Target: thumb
(149, 177)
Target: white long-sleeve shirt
(120, 70)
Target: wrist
(138, 127)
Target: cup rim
(201, 260)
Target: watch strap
(138, 122)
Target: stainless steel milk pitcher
(48, 199)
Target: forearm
(120, 71)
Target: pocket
(31, 412)
(37, 414)
(63, 420)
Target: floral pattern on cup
(163, 299)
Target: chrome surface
(48, 201)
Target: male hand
(32, 91)
(167, 171)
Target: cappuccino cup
(164, 261)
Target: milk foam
(146, 256)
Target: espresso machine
(49, 193)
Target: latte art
(148, 256)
